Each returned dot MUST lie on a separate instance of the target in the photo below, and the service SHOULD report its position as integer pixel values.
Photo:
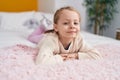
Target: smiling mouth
(72, 32)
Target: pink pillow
(37, 35)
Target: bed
(17, 53)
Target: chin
(72, 36)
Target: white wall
(46, 6)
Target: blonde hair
(57, 15)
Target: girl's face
(68, 25)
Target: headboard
(18, 5)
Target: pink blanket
(17, 63)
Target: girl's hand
(64, 56)
(68, 56)
(72, 56)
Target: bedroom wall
(46, 6)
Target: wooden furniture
(118, 34)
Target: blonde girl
(64, 42)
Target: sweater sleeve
(46, 49)
(87, 52)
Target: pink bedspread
(17, 63)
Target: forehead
(69, 14)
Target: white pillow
(13, 21)
(45, 19)
(39, 19)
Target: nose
(72, 25)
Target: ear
(55, 28)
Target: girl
(64, 42)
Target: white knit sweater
(50, 44)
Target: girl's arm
(87, 52)
(84, 52)
(46, 49)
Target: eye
(65, 23)
(76, 23)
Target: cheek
(57, 28)
(61, 29)
(78, 28)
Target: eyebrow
(74, 19)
